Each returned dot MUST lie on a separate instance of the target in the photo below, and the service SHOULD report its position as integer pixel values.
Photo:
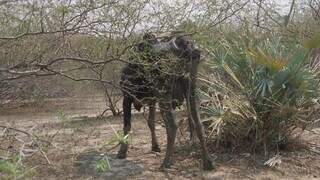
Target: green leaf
(102, 165)
(231, 73)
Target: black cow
(153, 84)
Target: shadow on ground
(88, 164)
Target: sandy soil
(79, 131)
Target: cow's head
(180, 46)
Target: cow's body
(153, 84)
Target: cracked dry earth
(79, 137)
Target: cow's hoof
(121, 155)
(155, 149)
(165, 166)
(208, 165)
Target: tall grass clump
(260, 90)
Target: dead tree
(169, 90)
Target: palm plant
(269, 89)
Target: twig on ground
(45, 156)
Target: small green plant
(9, 168)
(12, 169)
(63, 117)
(116, 139)
(103, 165)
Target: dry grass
(84, 132)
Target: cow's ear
(181, 42)
(149, 36)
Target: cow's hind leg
(207, 162)
(127, 102)
(171, 129)
(191, 125)
(151, 123)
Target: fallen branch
(14, 129)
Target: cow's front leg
(151, 123)
(126, 104)
(171, 129)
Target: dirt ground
(73, 129)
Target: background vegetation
(259, 83)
